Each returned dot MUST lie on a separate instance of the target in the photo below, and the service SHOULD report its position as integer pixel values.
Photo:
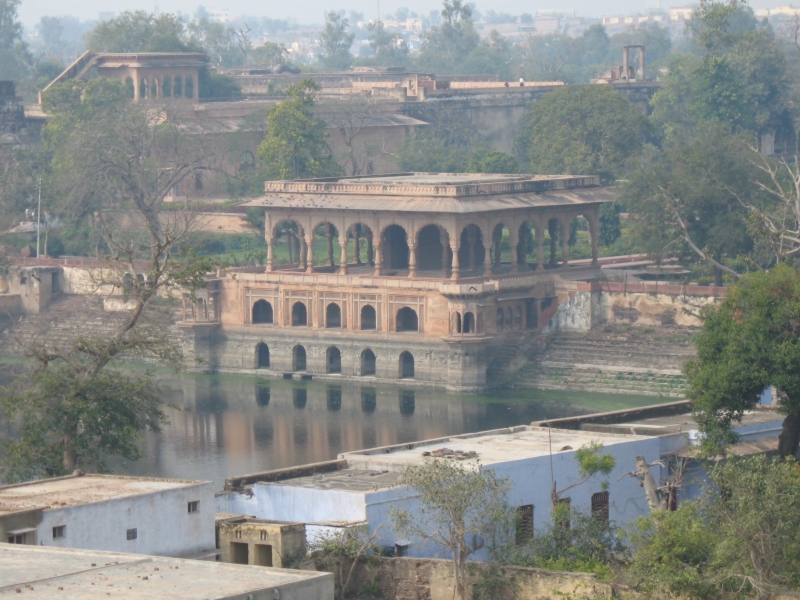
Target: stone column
(472, 239)
(135, 86)
(370, 251)
(513, 239)
(497, 242)
(539, 247)
(357, 242)
(565, 243)
(445, 259)
(329, 237)
(303, 253)
(412, 260)
(377, 259)
(270, 254)
(455, 273)
(594, 231)
(310, 253)
(343, 259)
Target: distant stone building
(138, 515)
(401, 277)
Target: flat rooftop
(435, 192)
(82, 489)
(664, 425)
(49, 573)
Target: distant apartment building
(137, 515)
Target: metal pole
(38, 218)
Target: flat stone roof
(452, 193)
(677, 423)
(49, 573)
(74, 490)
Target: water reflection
(231, 426)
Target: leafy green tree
(656, 40)
(748, 342)
(686, 201)
(459, 507)
(444, 47)
(493, 161)
(340, 551)
(296, 144)
(610, 227)
(138, 31)
(14, 54)
(77, 406)
(390, 48)
(591, 463)
(581, 130)
(336, 39)
(741, 538)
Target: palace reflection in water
(227, 426)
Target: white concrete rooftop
(82, 489)
(48, 573)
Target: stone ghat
(615, 358)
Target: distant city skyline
(311, 11)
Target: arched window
(299, 359)
(367, 363)
(369, 319)
(395, 248)
(469, 323)
(188, 91)
(262, 312)
(509, 317)
(262, 356)
(333, 360)
(299, 315)
(154, 88)
(407, 319)
(333, 316)
(499, 321)
(406, 365)
(518, 317)
(166, 87)
(177, 90)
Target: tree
(581, 130)
(741, 537)
(77, 406)
(138, 31)
(296, 144)
(748, 343)
(590, 464)
(349, 118)
(444, 47)
(336, 39)
(341, 552)
(460, 506)
(610, 230)
(390, 48)
(14, 55)
(685, 200)
(492, 161)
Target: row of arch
(431, 247)
(369, 399)
(333, 361)
(406, 319)
(167, 86)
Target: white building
(38, 573)
(361, 486)
(138, 515)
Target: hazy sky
(307, 11)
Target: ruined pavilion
(397, 276)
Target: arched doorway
(501, 245)
(289, 234)
(469, 323)
(262, 356)
(369, 319)
(500, 319)
(177, 89)
(406, 365)
(430, 249)
(360, 242)
(333, 360)
(368, 363)
(333, 316)
(407, 319)
(394, 249)
(471, 251)
(299, 359)
(262, 312)
(166, 88)
(299, 315)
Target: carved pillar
(303, 253)
(310, 253)
(455, 273)
(412, 260)
(329, 237)
(357, 242)
(445, 259)
(377, 260)
(594, 226)
(497, 242)
(472, 239)
(513, 239)
(370, 251)
(565, 244)
(136, 86)
(270, 254)
(522, 248)
(539, 246)
(343, 259)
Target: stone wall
(431, 579)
